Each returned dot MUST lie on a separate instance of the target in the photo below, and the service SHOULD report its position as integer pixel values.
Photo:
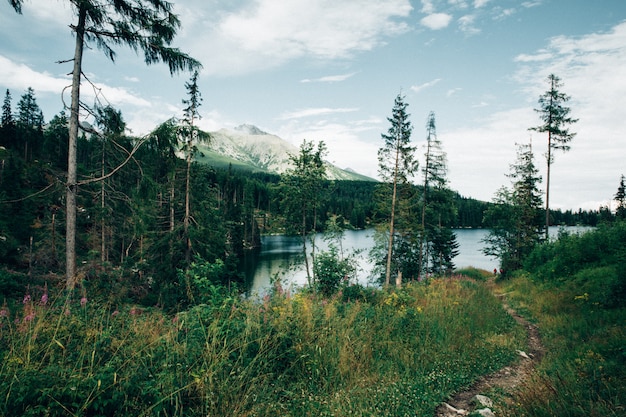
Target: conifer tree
(555, 116)
(29, 123)
(145, 25)
(620, 198)
(396, 165)
(438, 241)
(302, 186)
(516, 215)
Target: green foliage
(583, 334)
(385, 353)
(331, 271)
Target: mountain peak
(250, 129)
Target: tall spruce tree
(438, 244)
(396, 165)
(146, 25)
(516, 221)
(555, 116)
(620, 199)
(190, 135)
(29, 124)
(303, 192)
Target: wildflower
(4, 312)
(83, 301)
(115, 313)
(26, 299)
(30, 316)
(44, 297)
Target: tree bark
(71, 186)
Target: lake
(281, 256)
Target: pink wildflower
(4, 312)
(115, 313)
(26, 299)
(44, 299)
(83, 301)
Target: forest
(131, 224)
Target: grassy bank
(574, 289)
(364, 352)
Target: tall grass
(363, 352)
(576, 296)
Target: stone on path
(482, 401)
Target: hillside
(248, 148)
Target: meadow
(364, 351)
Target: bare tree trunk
(548, 184)
(187, 209)
(71, 187)
(392, 219)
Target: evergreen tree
(29, 124)
(7, 114)
(438, 241)
(555, 116)
(516, 215)
(190, 135)
(7, 124)
(396, 167)
(146, 25)
(620, 198)
(302, 187)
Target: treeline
(131, 236)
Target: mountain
(249, 148)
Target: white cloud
(427, 7)
(418, 88)
(436, 21)
(341, 141)
(273, 32)
(329, 78)
(466, 24)
(321, 111)
(20, 76)
(480, 3)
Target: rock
(485, 412)
(523, 354)
(482, 401)
(451, 411)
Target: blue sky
(329, 70)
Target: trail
(506, 378)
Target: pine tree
(516, 215)
(620, 198)
(30, 124)
(396, 166)
(146, 25)
(190, 135)
(302, 186)
(438, 241)
(555, 116)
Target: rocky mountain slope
(249, 148)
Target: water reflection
(281, 256)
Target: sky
(327, 70)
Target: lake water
(281, 256)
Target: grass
(582, 373)
(363, 352)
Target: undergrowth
(574, 290)
(362, 352)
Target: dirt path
(506, 378)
